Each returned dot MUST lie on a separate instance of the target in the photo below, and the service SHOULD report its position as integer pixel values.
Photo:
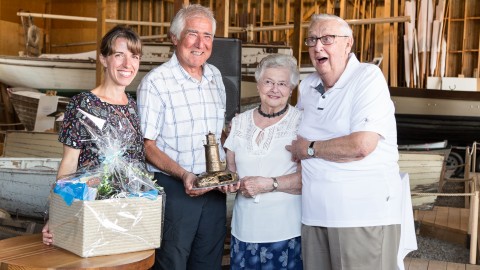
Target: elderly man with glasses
(347, 144)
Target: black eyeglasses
(326, 40)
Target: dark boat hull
(435, 115)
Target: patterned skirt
(266, 256)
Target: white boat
(424, 146)
(25, 185)
(76, 72)
(425, 169)
(69, 72)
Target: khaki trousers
(362, 248)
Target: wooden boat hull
(32, 144)
(425, 168)
(435, 115)
(67, 76)
(25, 185)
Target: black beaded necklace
(273, 114)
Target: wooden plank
(32, 144)
(330, 7)
(406, 262)
(454, 218)
(276, 16)
(472, 267)
(455, 266)
(425, 168)
(429, 216)
(437, 265)
(425, 175)
(420, 214)
(464, 218)
(101, 31)
(7, 111)
(343, 9)
(362, 33)
(441, 219)
(386, 42)
(418, 264)
(418, 156)
(297, 37)
(222, 16)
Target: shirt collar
(182, 76)
(352, 64)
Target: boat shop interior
(427, 50)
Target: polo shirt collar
(352, 64)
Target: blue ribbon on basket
(71, 191)
(151, 194)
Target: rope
(33, 36)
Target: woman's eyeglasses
(271, 84)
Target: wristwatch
(275, 184)
(310, 150)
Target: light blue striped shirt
(178, 111)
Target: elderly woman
(266, 215)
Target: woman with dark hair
(120, 53)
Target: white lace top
(273, 216)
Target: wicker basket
(105, 227)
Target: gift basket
(107, 208)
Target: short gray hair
(279, 61)
(345, 28)
(187, 12)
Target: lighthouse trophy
(216, 174)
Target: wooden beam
(386, 41)
(287, 19)
(150, 17)
(297, 39)
(262, 19)
(48, 27)
(343, 9)
(178, 4)
(8, 110)
(330, 7)
(101, 30)
(222, 16)
(394, 48)
(274, 16)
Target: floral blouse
(74, 134)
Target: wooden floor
(450, 218)
(421, 264)
(444, 223)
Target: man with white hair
(347, 144)
(179, 103)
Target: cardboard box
(453, 83)
(105, 227)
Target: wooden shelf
(463, 38)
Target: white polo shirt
(359, 193)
